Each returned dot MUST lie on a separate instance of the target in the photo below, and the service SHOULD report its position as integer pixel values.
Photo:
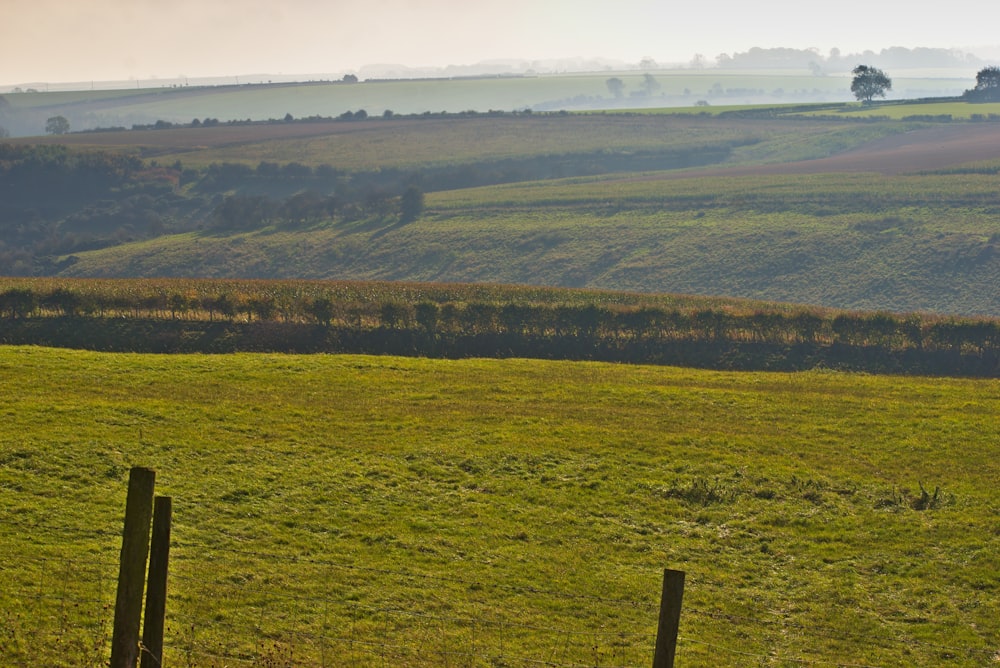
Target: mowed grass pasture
(352, 510)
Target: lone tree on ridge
(987, 86)
(869, 82)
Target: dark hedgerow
(485, 321)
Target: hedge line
(197, 336)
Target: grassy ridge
(904, 243)
(792, 501)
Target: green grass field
(956, 110)
(903, 243)
(338, 510)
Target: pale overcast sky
(84, 40)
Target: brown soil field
(916, 151)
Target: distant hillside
(752, 78)
(756, 203)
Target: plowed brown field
(919, 150)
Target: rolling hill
(769, 204)
(24, 113)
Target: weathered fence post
(156, 585)
(132, 568)
(670, 618)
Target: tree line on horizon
(836, 61)
(871, 82)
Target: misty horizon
(832, 63)
(123, 40)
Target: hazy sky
(83, 40)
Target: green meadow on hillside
(359, 510)
(572, 200)
(860, 241)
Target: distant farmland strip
(452, 139)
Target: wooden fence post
(670, 618)
(156, 585)
(132, 568)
